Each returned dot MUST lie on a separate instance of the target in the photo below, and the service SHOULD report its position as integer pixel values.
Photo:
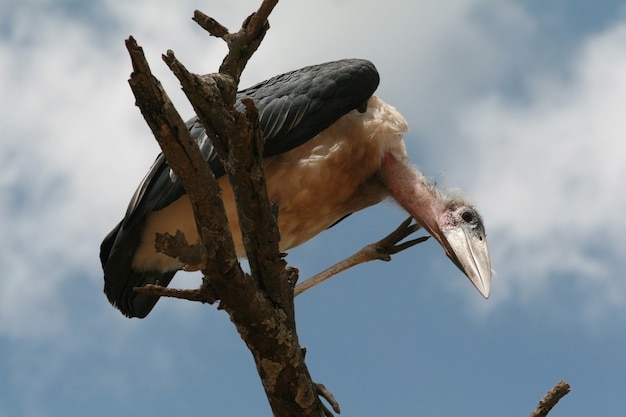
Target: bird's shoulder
(295, 106)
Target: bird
(331, 148)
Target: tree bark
(260, 304)
(558, 391)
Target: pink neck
(412, 191)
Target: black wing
(293, 108)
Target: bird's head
(455, 224)
(459, 229)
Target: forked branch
(261, 305)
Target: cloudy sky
(520, 105)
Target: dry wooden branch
(192, 256)
(549, 400)
(261, 305)
(186, 160)
(237, 139)
(209, 24)
(203, 296)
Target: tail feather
(120, 279)
(130, 302)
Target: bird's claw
(389, 245)
(381, 250)
(324, 393)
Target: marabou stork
(331, 148)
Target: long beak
(467, 248)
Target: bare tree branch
(209, 24)
(549, 400)
(184, 157)
(192, 256)
(203, 296)
(243, 44)
(237, 139)
(261, 305)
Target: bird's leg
(381, 250)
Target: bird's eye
(467, 216)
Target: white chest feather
(314, 185)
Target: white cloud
(59, 145)
(550, 171)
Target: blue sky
(519, 105)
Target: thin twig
(209, 24)
(323, 392)
(549, 400)
(258, 20)
(184, 294)
(381, 250)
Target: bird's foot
(381, 250)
